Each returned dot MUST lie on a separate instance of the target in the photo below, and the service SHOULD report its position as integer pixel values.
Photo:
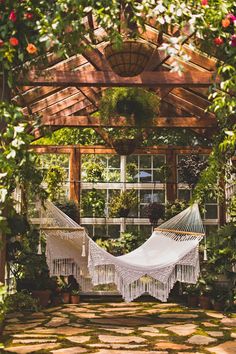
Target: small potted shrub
(155, 211)
(65, 294)
(74, 299)
(21, 301)
(2, 306)
(122, 203)
(205, 294)
(193, 293)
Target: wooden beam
(75, 172)
(117, 122)
(109, 79)
(101, 149)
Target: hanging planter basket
(125, 146)
(130, 59)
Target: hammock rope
(169, 255)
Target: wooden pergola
(66, 92)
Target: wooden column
(5, 93)
(171, 186)
(75, 172)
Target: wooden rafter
(108, 79)
(159, 122)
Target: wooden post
(75, 169)
(171, 185)
(5, 93)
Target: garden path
(120, 328)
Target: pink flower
(12, 16)
(233, 40)
(231, 17)
(204, 2)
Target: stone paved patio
(120, 328)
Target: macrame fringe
(106, 274)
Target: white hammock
(169, 255)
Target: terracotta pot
(74, 299)
(1, 327)
(56, 301)
(43, 296)
(205, 302)
(66, 298)
(193, 300)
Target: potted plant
(136, 104)
(130, 57)
(2, 306)
(74, 297)
(122, 203)
(220, 297)
(192, 291)
(93, 203)
(190, 168)
(205, 287)
(155, 211)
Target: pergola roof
(68, 91)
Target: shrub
(20, 302)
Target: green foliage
(174, 208)
(93, 203)
(122, 202)
(126, 243)
(3, 291)
(155, 211)
(18, 164)
(21, 302)
(70, 208)
(71, 136)
(209, 182)
(94, 170)
(129, 102)
(190, 168)
(55, 179)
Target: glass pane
(145, 196)
(211, 212)
(114, 161)
(93, 203)
(158, 176)
(100, 231)
(159, 196)
(113, 231)
(113, 175)
(132, 159)
(145, 175)
(143, 210)
(132, 172)
(132, 228)
(158, 160)
(133, 212)
(146, 231)
(89, 229)
(184, 194)
(145, 161)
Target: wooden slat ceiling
(56, 102)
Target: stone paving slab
(121, 328)
(79, 339)
(109, 351)
(120, 339)
(183, 330)
(25, 349)
(72, 350)
(201, 340)
(172, 346)
(224, 348)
